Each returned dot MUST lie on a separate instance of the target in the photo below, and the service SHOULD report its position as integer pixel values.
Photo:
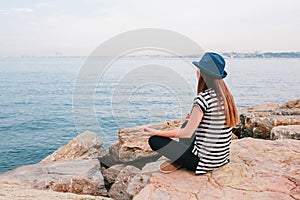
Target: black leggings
(179, 152)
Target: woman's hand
(149, 131)
(187, 116)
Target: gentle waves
(39, 113)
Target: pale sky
(75, 28)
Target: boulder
(118, 189)
(86, 145)
(133, 144)
(75, 176)
(259, 169)
(286, 132)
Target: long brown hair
(205, 82)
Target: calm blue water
(36, 106)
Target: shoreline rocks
(259, 169)
(73, 168)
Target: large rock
(258, 121)
(75, 176)
(86, 145)
(259, 169)
(19, 192)
(133, 144)
(286, 132)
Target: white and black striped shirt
(212, 137)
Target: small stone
(118, 189)
(152, 167)
(110, 174)
(137, 183)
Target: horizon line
(157, 55)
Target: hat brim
(209, 72)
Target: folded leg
(178, 152)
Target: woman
(209, 126)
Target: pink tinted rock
(259, 169)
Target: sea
(47, 101)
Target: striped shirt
(212, 137)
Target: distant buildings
(262, 55)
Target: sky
(76, 28)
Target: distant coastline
(263, 55)
(255, 54)
(258, 55)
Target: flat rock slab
(75, 176)
(259, 169)
(19, 192)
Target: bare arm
(186, 132)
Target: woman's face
(198, 73)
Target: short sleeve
(201, 102)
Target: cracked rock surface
(259, 169)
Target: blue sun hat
(212, 64)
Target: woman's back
(212, 137)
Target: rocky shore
(265, 164)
